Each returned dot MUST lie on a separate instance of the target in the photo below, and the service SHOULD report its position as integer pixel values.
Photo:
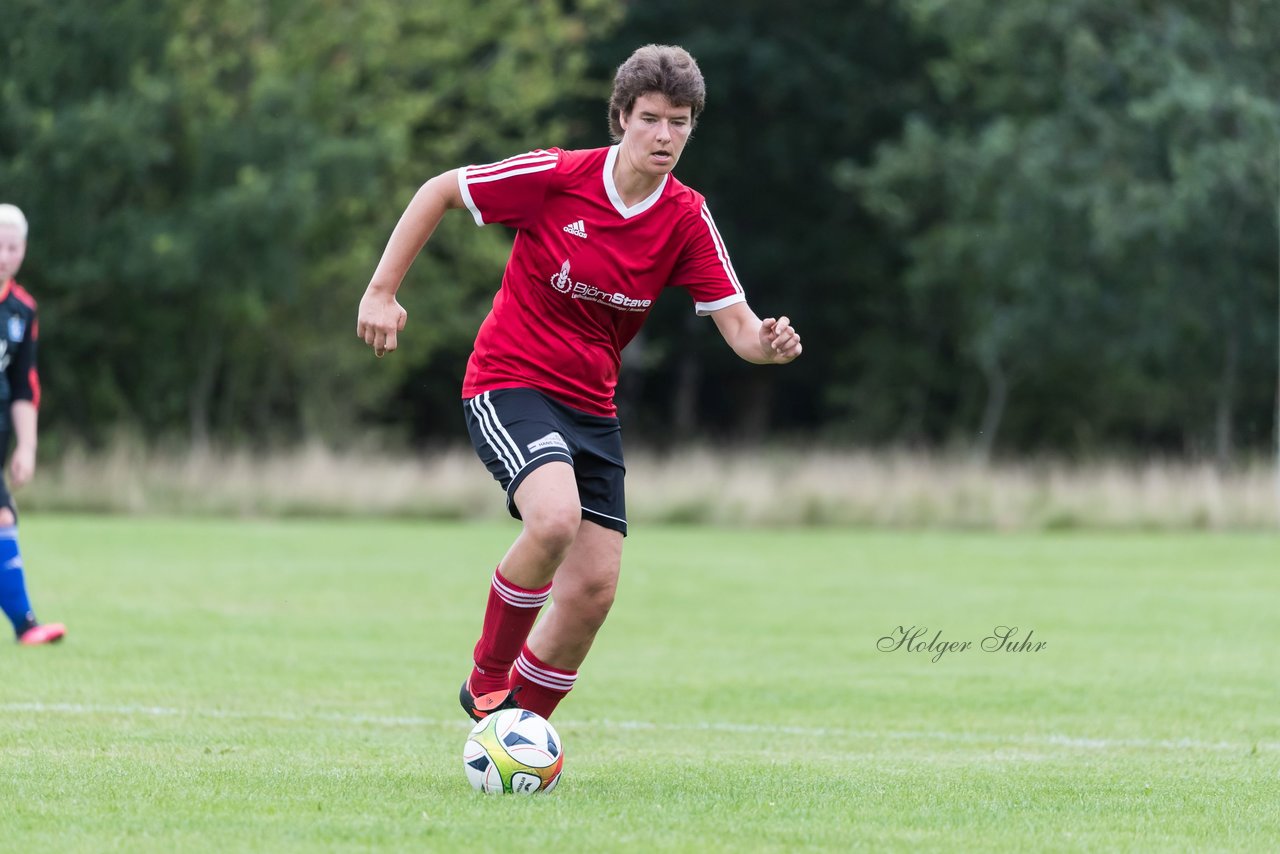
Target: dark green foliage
(210, 183)
(1009, 226)
(1094, 197)
(796, 97)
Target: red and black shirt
(19, 331)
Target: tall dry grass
(763, 487)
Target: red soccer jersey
(584, 271)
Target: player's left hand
(22, 466)
(779, 342)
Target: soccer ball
(513, 751)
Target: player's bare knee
(593, 603)
(6, 517)
(554, 527)
(600, 604)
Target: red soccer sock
(508, 618)
(542, 686)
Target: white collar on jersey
(612, 190)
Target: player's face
(654, 134)
(12, 250)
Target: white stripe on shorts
(564, 455)
(487, 404)
(506, 453)
(605, 515)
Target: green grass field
(291, 686)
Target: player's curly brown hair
(665, 69)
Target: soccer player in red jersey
(600, 234)
(19, 401)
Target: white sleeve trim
(466, 196)
(705, 308)
(722, 251)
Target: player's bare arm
(772, 341)
(22, 465)
(381, 317)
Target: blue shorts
(515, 430)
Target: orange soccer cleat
(43, 633)
(479, 708)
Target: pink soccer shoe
(43, 633)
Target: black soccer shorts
(515, 430)
(6, 498)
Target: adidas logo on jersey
(577, 229)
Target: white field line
(1047, 740)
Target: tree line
(1042, 226)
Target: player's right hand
(380, 318)
(22, 466)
